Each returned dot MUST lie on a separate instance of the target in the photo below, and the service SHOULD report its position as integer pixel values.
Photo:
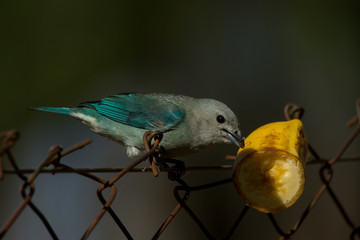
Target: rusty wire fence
(175, 169)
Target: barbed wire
(175, 170)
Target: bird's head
(217, 123)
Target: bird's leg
(156, 161)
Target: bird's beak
(235, 137)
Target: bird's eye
(220, 119)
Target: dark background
(255, 56)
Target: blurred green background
(255, 56)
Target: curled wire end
(8, 139)
(293, 111)
(54, 155)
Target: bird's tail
(61, 110)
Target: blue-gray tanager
(188, 124)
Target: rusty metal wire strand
(8, 140)
(28, 183)
(148, 136)
(326, 174)
(181, 192)
(237, 222)
(183, 204)
(63, 169)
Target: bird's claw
(178, 172)
(161, 162)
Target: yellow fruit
(269, 172)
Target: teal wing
(145, 111)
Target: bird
(188, 124)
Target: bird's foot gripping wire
(176, 168)
(179, 169)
